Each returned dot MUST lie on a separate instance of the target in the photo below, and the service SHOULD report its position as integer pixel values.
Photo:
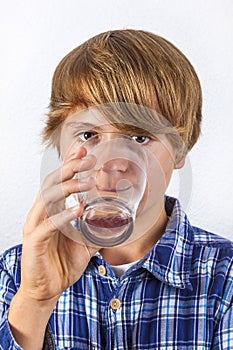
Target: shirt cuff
(8, 342)
(49, 343)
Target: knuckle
(50, 224)
(42, 195)
(45, 199)
(47, 180)
(70, 187)
(52, 178)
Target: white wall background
(35, 35)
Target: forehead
(122, 115)
(108, 117)
(88, 118)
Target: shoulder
(10, 262)
(213, 256)
(211, 268)
(11, 255)
(212, 246)
(212, 241)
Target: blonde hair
(133, 67)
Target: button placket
(102, 270)
(115, 304)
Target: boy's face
(84, 124)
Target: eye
(86, 135)
(141, 139)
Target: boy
(171, 288)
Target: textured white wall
(35, 35)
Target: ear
(180, 164)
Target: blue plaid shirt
(179, 296)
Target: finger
(52, 225)
(39, 209)
(52, 200)
(68, 170)
(49, 196)
(61, 191)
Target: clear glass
(110, 207)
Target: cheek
(161, 165)
(167, 167)
(158, 177)
(69, 147)
(71, 150)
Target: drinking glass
(111, 205)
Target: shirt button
(102, 270)
(115, 304)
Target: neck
(139, 248)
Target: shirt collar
(170, 259)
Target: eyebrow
(81, 124)
(89, 126)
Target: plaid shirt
(179, 296)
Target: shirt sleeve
(8, 289)
(49, 341)
(223, 339)
(223, 334)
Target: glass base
(106, 222)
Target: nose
(113, 155)
(115, 165)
